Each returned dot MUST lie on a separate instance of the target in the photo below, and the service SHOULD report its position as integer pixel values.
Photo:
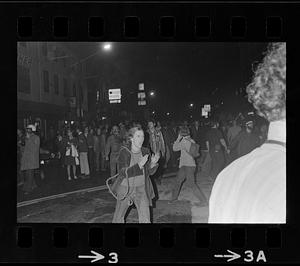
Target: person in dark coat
(30, 159)
(246, 141)
(134, 169)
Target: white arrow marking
(231, 257)
(95, 258)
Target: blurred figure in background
(71, 154)
(20, 149)
(112, 149)
(83, 153)
(157, 146)
(97, 148)
(246, 140)
(214, 143)
(233, 131)
(90, 142)
(30, 160)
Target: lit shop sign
(207, 107)
(141, 87)
(204, 113)
(114, 95)
(24, 60)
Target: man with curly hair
(253, 188)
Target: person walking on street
(187, 168)
(196, 136)
(214, 144)
(97, 149)
(112, 149)
(90, 142)
(205, 158)
(157, 145)
(30, 159)
(102, 148)
(83, 154)
(135, 167)
(71, 154)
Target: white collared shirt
(252, 189)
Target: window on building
(74, 90)
(23, 83)
(44, 49)
(56, 84)
(66, 89)
(46, 80)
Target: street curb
(103, 187)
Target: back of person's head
(267, 92)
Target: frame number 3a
(250, 258)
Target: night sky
(179, 73)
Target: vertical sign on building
(141, 95)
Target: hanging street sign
(114, 94)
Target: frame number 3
(114, 257)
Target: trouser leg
(84, 164)
(81, 161)
(191, 183)
(121, 207)
(113, 166)
(29, 184)
(142, 204)
(178, 182)
(91, 159)
(205, 163)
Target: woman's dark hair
(267, 92)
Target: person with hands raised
(134, 170)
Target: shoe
(69, 178)
(75, 177)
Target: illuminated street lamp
(152, 93)
(191, 105)
(153, 112)
(106, 46)
(168, 113)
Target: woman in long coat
(134, 169)
(30, 159)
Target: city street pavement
(56, 182)
(98, 207)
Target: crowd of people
(89, 150)
(134, 151)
